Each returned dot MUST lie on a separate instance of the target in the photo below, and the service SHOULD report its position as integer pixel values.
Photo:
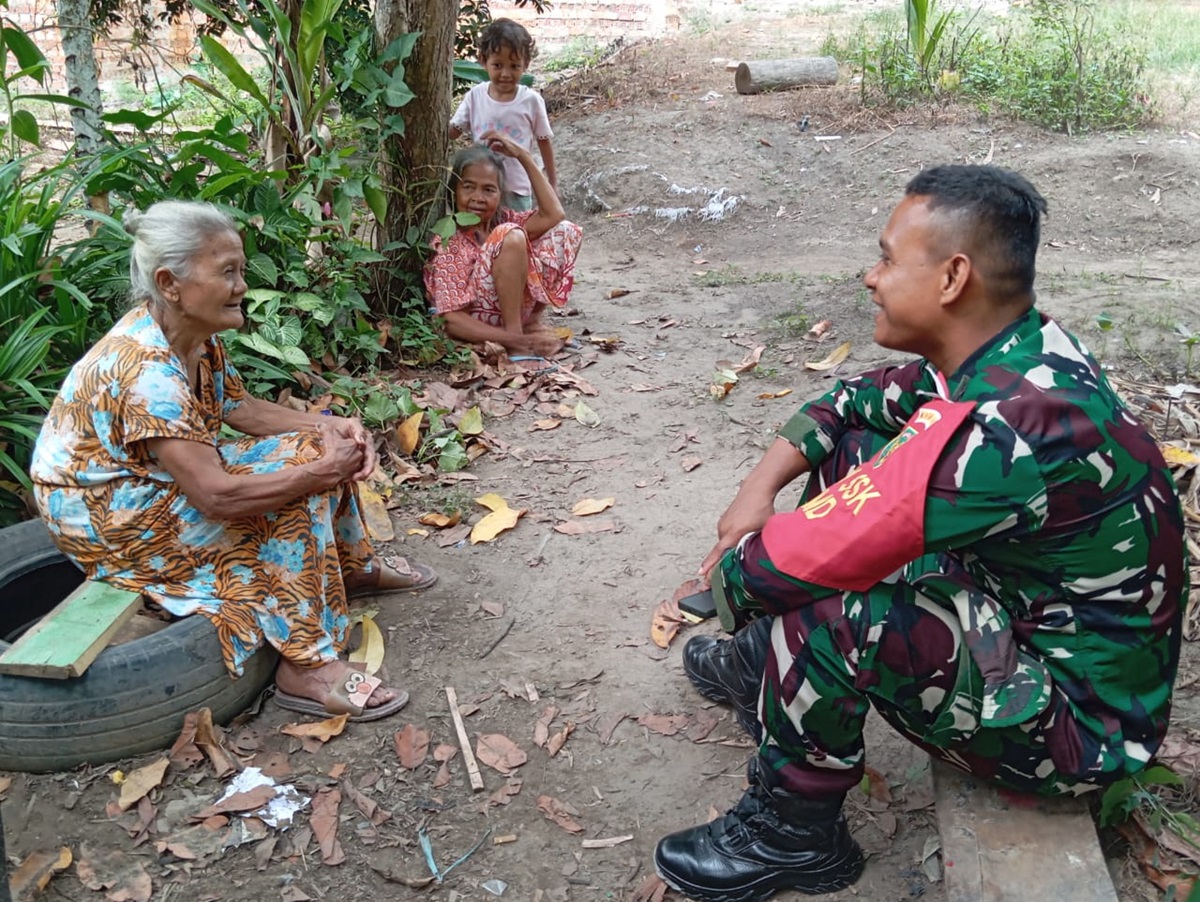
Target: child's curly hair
(507, 33)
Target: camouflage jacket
(1052, 527)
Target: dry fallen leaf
(651, 889)
(322, 731)
(666, 724)
(324, 823)
(690, 463)
(412, 744)
(589, 506)
(558, 740)
(665, 623)
(541, 730)
(723, 382)
(499, 752)
(250, 800)
(545, 425)
(370, 650)
(501, 518)
(140, 782)
(441, 521)
(581, 527)
(375, 514)
(819, 329)
(5, 783)
(116, 871)
(1179, 457)
(617, 293)
(505, 793)
(471, 422)
(560, 813)
(408, 433)
(586, 415)
(836, 356)
(877, 785)
(782, 393)
(35, 871)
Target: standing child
(505, 105)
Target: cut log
(778, 75)
(998, 845)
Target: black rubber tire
(133, 697)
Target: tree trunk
(415, 164)
(774, 75)
(83, 79)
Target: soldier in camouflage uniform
(990, 552)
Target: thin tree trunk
(83, 83)
(83, 79)
(415, 164)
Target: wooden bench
(67, 640)
(1000, 845)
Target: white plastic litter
(280, 810)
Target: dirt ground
(574, 611)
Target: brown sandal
(407, 577)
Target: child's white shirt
(523, 119)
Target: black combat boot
(771, 841)
(731, 670)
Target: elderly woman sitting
(492, 280)
(261, 534)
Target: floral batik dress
(119, 515)
(459, 277)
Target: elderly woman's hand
(346, 453)
(501, 143)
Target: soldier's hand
(748, 513)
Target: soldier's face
(906, 283)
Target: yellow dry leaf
(408, 433)
(441, 521)
(586, 415)
(370, 650)
(775, 394)
(836, 356)
(375, 514)
(545, 425)
(564, 333)
(471, 422)
(140, 782)
(589, 506)
(501, 518)
(1179, 457)
(414, 531)
(36, 870)
(323, 730)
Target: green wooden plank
(64, 642)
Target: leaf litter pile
(1160, 812)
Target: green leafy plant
(1190, 340)
(926, 27)
(27, 386)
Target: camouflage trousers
(902, 651)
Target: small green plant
(926, 27)
(1189, 340)
(1104, 323)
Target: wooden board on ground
(66, 641)
(999, 845)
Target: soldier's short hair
(997, 216)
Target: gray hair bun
(132, 219)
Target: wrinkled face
(209, 298)
(907, 280)
(478, 191)
(504, 68)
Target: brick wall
(600, 20)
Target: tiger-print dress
(119, 515)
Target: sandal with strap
(418, 577)
(348, 695)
